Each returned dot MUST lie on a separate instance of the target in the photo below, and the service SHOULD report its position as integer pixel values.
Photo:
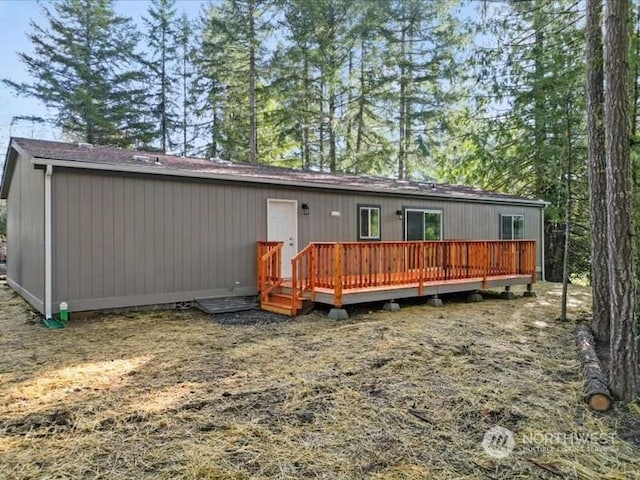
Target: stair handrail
(298, 284)
(269, 267)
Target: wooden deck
(352, 296)
(347, 273)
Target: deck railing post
(485, 263)
(337, 275)
(312, 273)
(532, 260)
(294, 281)
(445, 259)
(259, 266)
(421, 269)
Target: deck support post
(434, 301)
(337, 275)
(507, 294)
(474, 297)
(338, 314)
(391, 306)
(529, 292)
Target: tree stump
(596, 393)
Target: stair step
(277, 308)
(285, 289)
(284, 299)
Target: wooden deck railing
(269, 267)
(359, 265)
(302, 266)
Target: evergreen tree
(623, 367)
(229, 63)
(597, 172)
(515, 138)
(423, 44)
(186, 75)
(85, 67)
(162, 40)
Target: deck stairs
(281, 301)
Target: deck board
(455, 281)
(385, 292)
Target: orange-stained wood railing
(269, 267)
(343, 266)
(302, 266)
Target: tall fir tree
(162, 37)
(84, 66)
(624, 372)
(232, 44)
(601, 322)
(423, 41)
(185, 71)
(529, 67)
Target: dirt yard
(410, 394)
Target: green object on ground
(52, 323)
(64, 313)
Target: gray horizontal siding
(25, 232)
(131, 240)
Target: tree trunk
(184, 104)
(595, 392)
(636, 72)
(321, 127)
(214, 134)
(332, 81)
(597, 173)
(403, 105)
(306, 147)
(538, 106)
(332, 127)
(568, 212)
(163, 89)
(349, 140)
(408, 108)
(623, 368)
(253, 123)
(361, 100)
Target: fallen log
(595, 393)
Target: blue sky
(15, 16)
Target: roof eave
(267, 181)
(13, 150)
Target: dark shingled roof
(157, 163)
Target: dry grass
(384, 395)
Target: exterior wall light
(399, 214)
(305, 209)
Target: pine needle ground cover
(409, 394)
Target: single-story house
(103, 227)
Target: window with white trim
(422, 224)
(511, 227)
(368, 222)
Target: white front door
(282, 226)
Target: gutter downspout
(48, 273)
(542, 243)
